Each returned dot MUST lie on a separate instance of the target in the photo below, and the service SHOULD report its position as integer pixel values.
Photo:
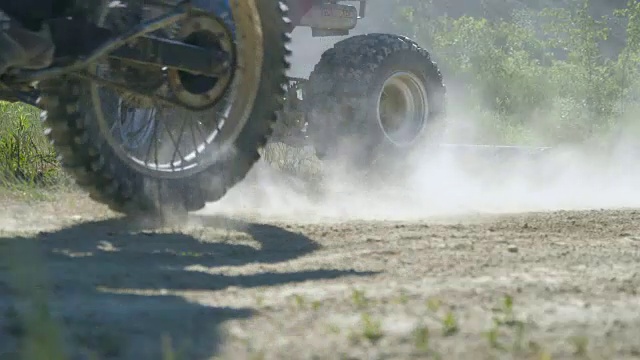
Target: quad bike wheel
(144, 158)
(372, 98)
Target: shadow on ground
(118, 292)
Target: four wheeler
(159, 105)
(370, 97)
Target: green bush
(25, 154)
(540, 73)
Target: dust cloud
(445, 183)
(448, 180)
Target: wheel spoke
(177, 148)
(193, 136)
(152, 141)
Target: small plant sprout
(450, 324)
(333, 329)
(433, 304)
(505, 313)
(299, 301)
(403, 298)
(493, 336)
(544, 355)
(168, 352)
(372, 329)
(580, 345)
(421, 338)
(519, 336)
(359, 299)
(449, 321)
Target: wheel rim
(175, 142)
(136, 125)
(402, 108)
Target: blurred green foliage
(539, 75)
(25, 154)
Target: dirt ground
(527, 286)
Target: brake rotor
(200, 91)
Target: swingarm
(137, 47)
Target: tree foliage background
(535, 74)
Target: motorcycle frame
(133, 46)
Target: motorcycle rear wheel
(106, 154)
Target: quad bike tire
(343, 97)
(85, 153)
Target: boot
(25, 49)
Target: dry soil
(554, 285)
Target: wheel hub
(199, 91)
(402, 108)
(176, 141)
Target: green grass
(26, 157)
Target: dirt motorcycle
(159, 106)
